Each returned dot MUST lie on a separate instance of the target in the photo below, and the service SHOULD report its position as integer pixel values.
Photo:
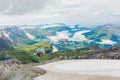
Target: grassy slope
(32, 48)
(26, 54)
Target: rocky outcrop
(14, 70)
(111, 53)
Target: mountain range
(77, 36)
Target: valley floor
(81, 70)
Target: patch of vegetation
(27, 57)
(23, 56)
(45, 57)
(26, 54)
(70, 53)
(32, 48)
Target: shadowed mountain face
(79, 36)
(5, 44)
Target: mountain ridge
(79, 36)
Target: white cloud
(66, 11)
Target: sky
(87, 12)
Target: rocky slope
(14, 70)
(110, 53)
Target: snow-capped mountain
(78, 36)
(105, 35)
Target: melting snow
(50, 25)
(54, 49)
(78, 36)
(90, 67)
(59, 36)
(105, 41)
(7, 35)
(27, 27)
(29, 35)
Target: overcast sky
(87, 12)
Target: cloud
(20, 7)
(66, 11)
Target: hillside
(27, 54)
(22, 41)
(105, 35)
(77, 36)
(5, 44)
(110, 53)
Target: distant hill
(78, 36)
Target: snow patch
(105, 41)
(78, 36)
(90, 67)
(29, 35)
(59, 36)
(7, 35)
(50, 25)
(54, 49)
(27, 27)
